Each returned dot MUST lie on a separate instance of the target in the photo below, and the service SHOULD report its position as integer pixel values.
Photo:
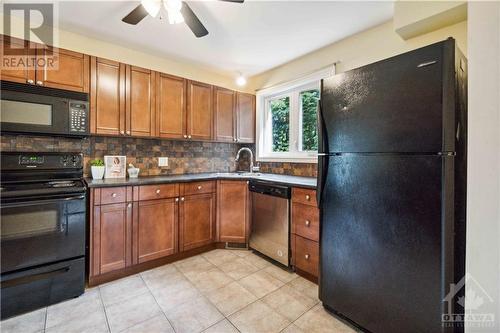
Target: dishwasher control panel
(281, 191)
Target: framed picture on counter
(115, 166)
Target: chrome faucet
(252, 168)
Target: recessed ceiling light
(241, 80)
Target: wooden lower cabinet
(111, 247)
(155, 226)
(233, 217)
(197, 221)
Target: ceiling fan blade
(192, 21)
(237, 1)
(136, 15)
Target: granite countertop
(308, 182)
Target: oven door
(42, 230)
(33, 113)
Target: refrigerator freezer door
(396, 105)
(382, 227)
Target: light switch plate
(163, 161)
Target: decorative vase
(97, 172)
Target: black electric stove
(43, 229)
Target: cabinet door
(200, 111)
(224, 103)
(155, 229)
(107, 97)
(171, 106)
(18, 58)
(232, 211)
(62, 69)
(245, 115)
(197, 221)
(140, 105)
(111, 238)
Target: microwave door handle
(45, 201)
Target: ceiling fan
(177, 11)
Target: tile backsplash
(183, 156)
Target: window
(287, 120)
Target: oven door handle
(36, 201)
(31, 278)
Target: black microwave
(41, 110)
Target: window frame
(292, 89)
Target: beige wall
(363, 48)
(483, 183)
(95, 47)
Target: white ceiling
(249, 38)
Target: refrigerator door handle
(322, 137)
(322, 169)
(322, 154)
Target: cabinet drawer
(306, 255)
(149, 192)
(305, 221)
(304, 196)
(111, 195)
(198, 187)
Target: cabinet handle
(306, 257)
(176, 199)
(308, 197)
(182, 199)
(113, 195)
(40, 83)
(129, 205)
(199, 187)
(185, 136)
(30, 81)
(158, 191)
(308, 223)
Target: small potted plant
(97, 168)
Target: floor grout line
(104, 309)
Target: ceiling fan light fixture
(241, 80)
(152, 6)
(173, 8)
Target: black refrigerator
(392, 190)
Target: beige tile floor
(219, 291)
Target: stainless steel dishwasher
(270, 233)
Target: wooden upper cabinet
(197, 221)
(232, 211)
(111, 238)
(17, 58)
(70, 70)
(224, 114)
(170, 106)
(107, 97)
(199, 111)
(140, 105)
(245, 115)
(155, 229)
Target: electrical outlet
(163, 161)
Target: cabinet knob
(158, 191)
(122, 132)
(113, 195)
(176, 199)
(306, 257)
(40, 83)
(308, 197)
(234, 139)
(199, 187)
(129, 205)
(185, 136)
(30, 81)
(189, 136)
(182, 199)
(128, 132)
(308, 223)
